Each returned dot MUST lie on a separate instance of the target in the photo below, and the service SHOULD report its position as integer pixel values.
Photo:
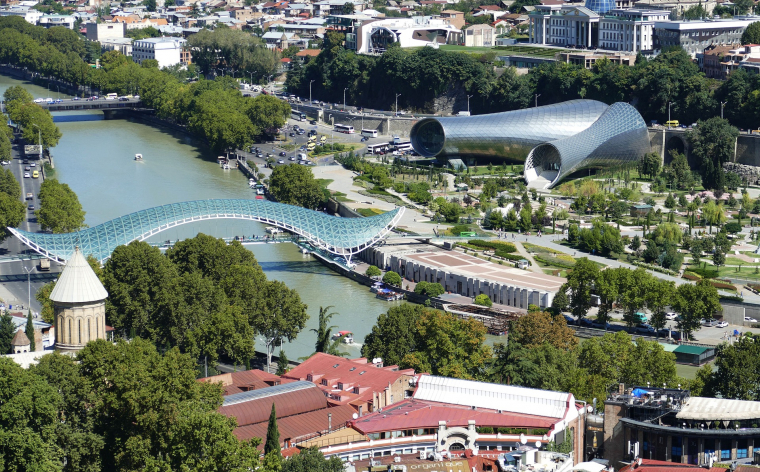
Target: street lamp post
(332, 131)
(669, 103)
(397, 95)
(312, 81)
(29, 284)
(722, 104)
(344, 98)
(468, 103)
(537, 95)
(59, 90)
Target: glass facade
(600, 6)
(620, 135)
(342, 236)
(509, 135)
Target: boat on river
(346, 336)
(389, 295)
(138, 157)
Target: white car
(721, 324)
(32, 164)
(670, 316)
(749, 319)
(27, 176)
(39, 100)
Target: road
(14, 289)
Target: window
(352, 369)
(362, 372)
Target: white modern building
(48, 21)
(564, 25)
(629, 29)
(696, 36)
(375, 36)
(167, 51)
(29, 14)
(105, 31)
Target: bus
(403, 146)
(297, 115)
(344, 129)
(369, 133)
(377, 148)
(672, 123)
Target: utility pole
(537, 95)
(344, 98)
(468, 103)
(722, 104)
(312, 81)
(669, 103)
(397, 95)
(29, 284)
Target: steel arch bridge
(340, 236)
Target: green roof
(669, 347)
(691, 349)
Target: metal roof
(505, 398)
(78, 282)
(686, 349)
(266, 392)
(342, 236)
(712, 409)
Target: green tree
(448, 346)
(348, 8)
(392, 278)
(295, 185)
(282, 315)
(650, 165)
(393, 335)
(712, 143)
(579, 284)
(372, 271)
(431, 289)
(525, 218)
(483, 300)
(325, 343)
(60, 210)
(560, 302)
(737, 373)
(282, 363)
(7, 331)
(719, 258)
(311, 459)
(5, 144)
(272, 443)
(694, 302)
(751, 34)
(149, 63)
(538, 328)
(29, 331)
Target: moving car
(35, 174)
(292, 158)
(31, 207)
(26, 175)
(283, 154)
(28, 169)
(280, 161)
(644, 328)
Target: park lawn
(323, 183)
(367, 212)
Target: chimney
(329, 422)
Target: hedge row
(554, 261)
(495, 245)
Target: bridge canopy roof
(344, 236)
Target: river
(95, 158)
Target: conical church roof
(20, 339)
(78, 282)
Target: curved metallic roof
(620, 135)
(343, 236)
(509, 135)
(286, 403)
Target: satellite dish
(523, 439)
(355, 415)
(590, 409)
(538, 444)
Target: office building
(167, 51)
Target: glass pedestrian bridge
(340, 236)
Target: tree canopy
(60, 210)
(295, 185)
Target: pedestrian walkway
(534, 267)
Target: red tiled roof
(286, 404)
(308, 52)
(285, 59)
(416, 414)
(489, 7)
(299, 427)
(650, 465)
(352, 373)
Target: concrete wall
(747, 145)
(385, 125)
(734, 312)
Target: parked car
(280, 161)
(644, 328)
(313, 122)
(749, 319)
(721, 324)
(292, 158)
(669, 333)
(283, 154)
(585, 322)
(292, 135)
(670, 316)
(599, 325)
(39, 100)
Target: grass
(367, 212)
(505, 50)
(49, 171)
(323, 183)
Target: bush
(431, 289)
(505, 247)
(372, 271)
(723, 285)
(554, 261)
(483, 300)
(691, 276)
(392, 278)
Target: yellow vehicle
(35, 174)
(322, 139)
(312, 139)
(311, 146)
(672, 124)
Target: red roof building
(364, 386)
(237, 382)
